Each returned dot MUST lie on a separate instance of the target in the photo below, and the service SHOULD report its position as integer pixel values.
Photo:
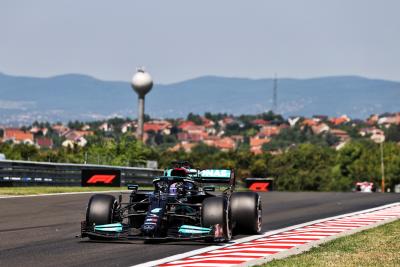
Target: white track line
(270, 236)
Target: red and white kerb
(267, 245)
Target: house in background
(105, 127)
(270, 130)
(310, 122)
(257, 142)
(60, 129)
(207, 122)
(340, 120)
(75, 137)
(127, 127)
(36, 130)
(185, 124)
(259, 122)
(44, 142)
(390, 119)
(320, 128)
(342, 135)
(225, 144)
(158, 126)
(85, 127)
(185, 146)
(226, 121)
(18, 136)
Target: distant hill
(75, 96)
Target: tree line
(309, 166)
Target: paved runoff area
(41, 230)
(285, 242)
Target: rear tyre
(246, 212)
(100, 209)
(215, 211)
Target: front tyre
(216, 211)
(100, 209)
(246, 212)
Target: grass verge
(37, 190)
(379, 246)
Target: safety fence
(26, 173)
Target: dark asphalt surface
(40, 231)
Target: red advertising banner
(99, 177)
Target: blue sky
(178, 40)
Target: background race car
(366, 187)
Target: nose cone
(142, 82)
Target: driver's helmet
(172, 189)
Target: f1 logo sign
(260, 186)
(101, 178)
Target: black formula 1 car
(181, 207)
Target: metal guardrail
(15, 172)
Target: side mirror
(133, 187)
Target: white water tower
(142, 84)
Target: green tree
(393, 133)
(293, 136)
(194, 118)
(306, 167)
(259, 168)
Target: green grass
(37, 190)
(379, 246)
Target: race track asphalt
(40, 231)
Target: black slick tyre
(246, 212)
(100, 209)
(215, 211)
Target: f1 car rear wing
(215, 176)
